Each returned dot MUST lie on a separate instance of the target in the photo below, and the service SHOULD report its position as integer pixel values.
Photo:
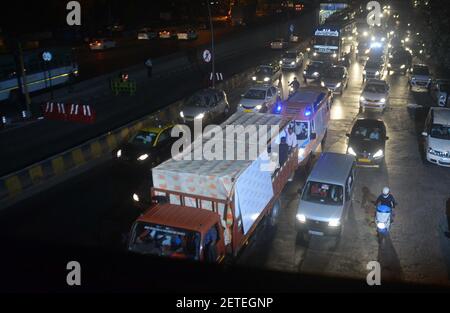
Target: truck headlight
(351, 151)
(182, 114)
(266, 79)
(119, 154)
(258, 107)
(378, 154)
(143, 157)
(135, 197)
(334, 222)
(301, 218)
(200, 116)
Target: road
(417, 250)
(85, 210)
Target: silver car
(206, 105)
(292, 59)
(375, 95)
(259, 99)
(335, 78)
(420, 77)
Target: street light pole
(212, 46)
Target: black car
(149, 146)
(367, 141)
(400, 60)
(314, 70)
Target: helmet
(386, 191)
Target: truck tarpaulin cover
(216, 178)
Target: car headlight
(200, 116)
(293, 63)
(281, 62)
(377, 73)
(315, 54)
(367, 51)
(334, 55)
(266, 79)
(258, 107)
(389, 64)
(351, 151)
(304, 72)
(378, 154)
(135, 197)
(334, 222)
(403, 66)
(254, 78)
(362, 98)
(182, 114)
(301, 218)
(364, 72)
(119, 154)
(316, 74)
(338, 85)
(322, 84)
(357, 51)
(381, 225)
(143, 157)
(383, 100)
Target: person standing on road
(149, 66)
(447, 213)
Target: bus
(40, 75)
(327, 43)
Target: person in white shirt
(291, 138)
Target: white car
(420, 77)
(278, 44)
(147, 34)
(437, 136)
(292, 60)
(259, 99)
(102, 44)
(187, 35)
(440, 92)
(375, 95)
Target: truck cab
(191, 233)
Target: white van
(437, 136)
(326, 196)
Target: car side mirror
(425, 134)
(313, 136)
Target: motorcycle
(383, 221)
(292, 89)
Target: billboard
(327, 9)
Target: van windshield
(165, 241)
(323, 193)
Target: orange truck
(207, 210)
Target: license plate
(364, 160)
(317, 233)
(248, 111)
